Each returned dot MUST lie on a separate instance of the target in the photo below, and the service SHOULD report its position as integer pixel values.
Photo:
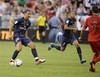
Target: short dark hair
(26, 10)
(95, 9)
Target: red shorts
(95, 47)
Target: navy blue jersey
(20, 27)
(70, 23)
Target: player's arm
(11, 24)
(26, 34)
(69, 28)
(82, 31)
(81, 34)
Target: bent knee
(19, 49)
(31, 45)
(62, 49)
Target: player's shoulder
(88, 18)
(67, 20)
(19, 19)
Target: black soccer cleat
(92, 67)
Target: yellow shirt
(41, 20)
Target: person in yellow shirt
(41, 21)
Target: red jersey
(93, 23)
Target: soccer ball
(18, 62)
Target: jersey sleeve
(16, 22)
(67, 21)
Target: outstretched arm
(81, 34)
(70, 28)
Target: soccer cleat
(92, 67)
(40, 61)
(82, 61)
(11, 62)
(50, 46)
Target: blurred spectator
(87, 4)
(81, 10)
(50, 9)
(88, 11)
(5, 19)
(80, 2)
(73, 5)
(2, 7)
(21, 3)
(94, 2)
(8, 6)
(54, 24)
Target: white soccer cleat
(11, 62)
(50, 46)
(40, 61)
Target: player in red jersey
(93, 23)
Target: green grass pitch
(58, 64)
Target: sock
(15, 54)
(34, 52)
(79, 53)
(57, 47)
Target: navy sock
(15, 54)
(79, 53)
(34, 52)
(57, 47)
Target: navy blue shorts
(66, 41)
(23, 40)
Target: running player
(69, 37)
(93, 23)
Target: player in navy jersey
(69, 37)
(20, 37)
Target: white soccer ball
(18, 62)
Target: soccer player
(20, 37)
(69, 37)
(93, 23)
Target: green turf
(58, 64)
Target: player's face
(73, 14)
(28, 14)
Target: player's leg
(97, 54)
(60, 48)
(16, 52)
(92, 63)
(79, 51)
(35, 54)
(96, 57)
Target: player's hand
(75, 30)
(80, 38)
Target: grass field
(58, 64)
